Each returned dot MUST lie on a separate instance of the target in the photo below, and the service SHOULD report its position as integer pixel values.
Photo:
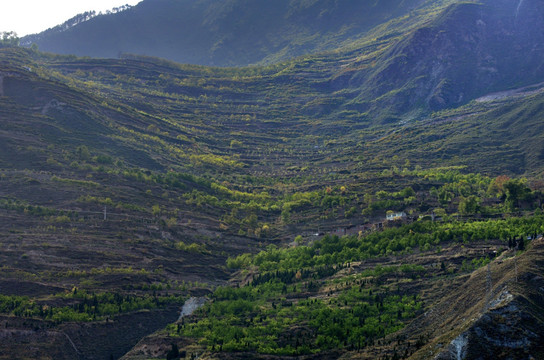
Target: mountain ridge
(203, 32)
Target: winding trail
(71, 342)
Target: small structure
(339, 231)
(396, 216)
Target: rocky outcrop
(507, 330)
(498, 313)
(470, 50)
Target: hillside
(459, 301)
(470, 49)
(223, 33)
(128, 186)
(384, 66)
(193, 176)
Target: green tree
(173, 353)
(469, 205)
(496, 188)
(9, 39)
(515, 192)
(83, 152)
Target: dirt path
(521, 92)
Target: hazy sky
(33, 16)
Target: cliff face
(471, 49)
(504, 321)
(508, 330)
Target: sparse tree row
(249, 210)
(85, 307)
(418, 236)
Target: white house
(396, 216)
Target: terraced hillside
(454, 300)
(129, 185)
(115, 206)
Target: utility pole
(105, 212)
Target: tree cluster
(9, 39)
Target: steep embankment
(70, 341)
(497, 313)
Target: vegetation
(141, 182)
(9, 39)
(255, 318)
(290, 306)
(419, 236)
(84, 307)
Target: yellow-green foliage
(194, 247)
(216, 160)
(61, 219)
(96, 200)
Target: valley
(131, 185)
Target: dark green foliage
(515, 193)
(173, 353)
(87, 307)
(256, 318)
(270, 311)
(469, 205)
(423, 235)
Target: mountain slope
(129, 185)
(497, 313)
(393, 63)
(223, 33)
(469, 50)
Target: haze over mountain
(223, 33)
(436, 61)
(381, 199)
